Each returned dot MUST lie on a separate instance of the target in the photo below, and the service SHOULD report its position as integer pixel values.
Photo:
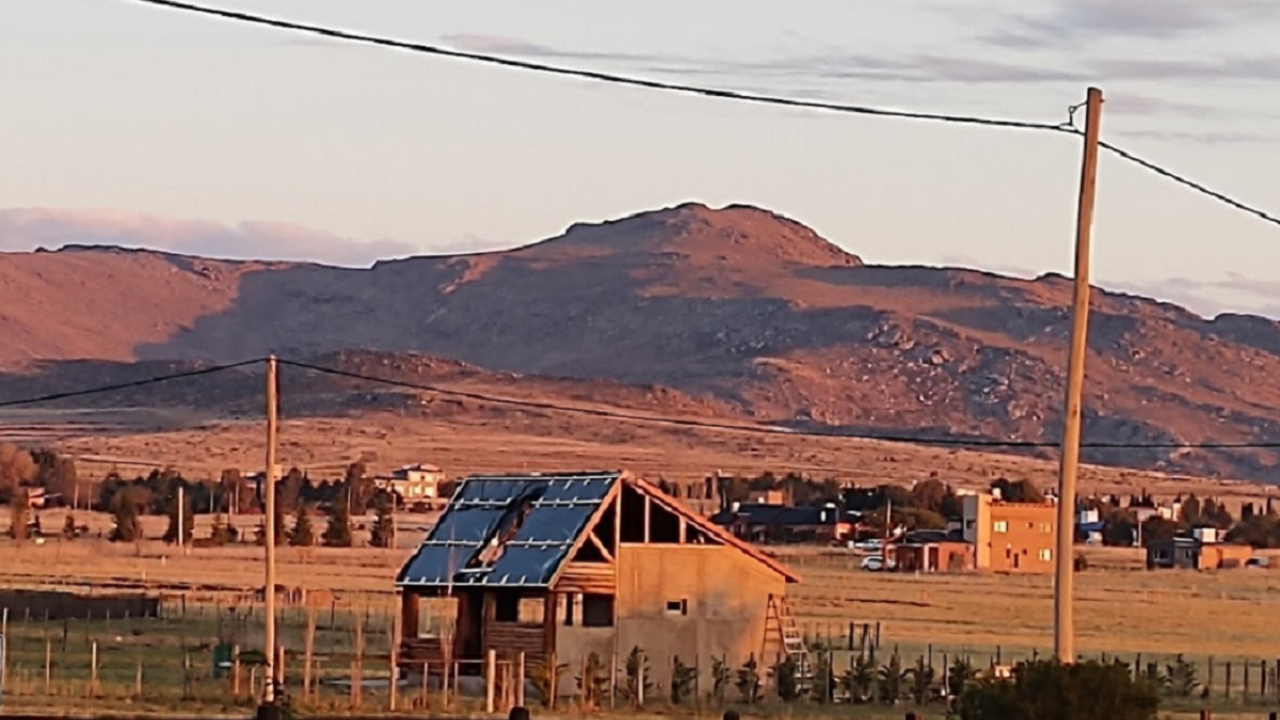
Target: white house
(414, 484)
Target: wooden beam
(648, 519)
(600, 546)
(683, 531)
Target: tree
(1049, 690)
(303, 535)
(1118, 526)
(16, 469)
(1190, 514)
(860, 679)
(1018, 490)
(637, 685)
(921, 681)
(383, 534)
(222, 533)
(682, 679)
(785, 674)
(69, 530)
(930, 494)
(749, 681)
(360, 489)
(338, 533)
(126, 505)
(1181, 678)
(1156, 529)
(960, 676)
(20, 515)
(289, 491)
(188, 519)
(890, 679)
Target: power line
(127, 385)
(603, 76)
(757, 98)
(618, 414)
(1181, 180)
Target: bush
(1049, 690)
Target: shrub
(749, 681)
(1049, 690)
(682, 678)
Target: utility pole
(181, 519)
(1064, 585)
(269, 707)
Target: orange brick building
(1010, 536)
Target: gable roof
(549, 514)
(710, 528)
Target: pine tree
(303, 534)
(338, 533)
(384, 529)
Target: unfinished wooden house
(574, 564)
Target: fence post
(48, 667)
(93, 670)
(1226, 688)
(520, 679)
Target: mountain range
(746, 313)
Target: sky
(128, 124)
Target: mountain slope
(739, 304)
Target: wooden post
(235, 672)
(48, 667)
(281, 675)
(490, 677)
(137, 682)
(520, 679)
(395, 669)
(1069, 465)
(426, 674)
(357, 667)
(93, 670)
(309, 646)
(613, 682)
(1226, 688)
(269, 535)
(444, 682)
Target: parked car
(876, 563)
(874, 545)
(1258, 561)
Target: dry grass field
(504, 440)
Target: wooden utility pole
(269, 536)
(1063, 620)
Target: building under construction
(575, 564)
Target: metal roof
(552, 511)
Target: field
(1215, 619)
(1121, 611)
(498, 439)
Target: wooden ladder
(782, 637)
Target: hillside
(739, 310)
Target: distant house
(575, 564)
(414, 484)
(776, 523)
(929, 551)
(1200, 551)
(1010, 536)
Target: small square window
(1000, 526)
(597, 611)
(1046, 554)
(680, 607)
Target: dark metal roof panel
(559, 508)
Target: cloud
(1235, 293)
(836, 65)
(24, 229)
(1207, 137)
(1074, 21)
